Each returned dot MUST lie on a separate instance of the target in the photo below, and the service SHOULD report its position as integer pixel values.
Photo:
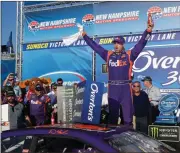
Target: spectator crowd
(27, 108)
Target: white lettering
(165, 62)
(80, 90)
(78, 102)
(94, 89)
(170, 9)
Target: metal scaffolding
(19, 39)
(21, 10)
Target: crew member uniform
(38, 109)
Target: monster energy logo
(154, 132)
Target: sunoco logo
(154, 132)
(88, 19)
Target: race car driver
(120, 64)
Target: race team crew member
(120, 64)
(40, 108)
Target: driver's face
(118, 47)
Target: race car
(80, 138)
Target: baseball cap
(119, 40)
(10, 93)
(54, 85)
(147, 78)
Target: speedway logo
(47, 25)
(88, 19)
(110, 18)
(158, 12)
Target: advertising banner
(54, 24)
(92, 102)
(106, 18)
(72, 64)
(125, 17)
(164, 133)
(79, 101)
(129, 39)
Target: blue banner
(125, 17)
(107, 18)
(54, 24)
(129, 39)
(27, 3)
(161, 62)
(92, 102)
(7, 66)
(72, 64)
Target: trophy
(169, 106)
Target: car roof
(63, 129)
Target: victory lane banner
(164, 133)
(155, 37)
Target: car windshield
(137, 142)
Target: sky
(8, 21)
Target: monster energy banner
(65, 101)
(164, 133)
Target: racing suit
(119, 76)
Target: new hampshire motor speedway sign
(164, 133)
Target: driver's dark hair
(59, 79)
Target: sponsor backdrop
(106, 18)
(160, 58)
(55, 24)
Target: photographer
(9, 80)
